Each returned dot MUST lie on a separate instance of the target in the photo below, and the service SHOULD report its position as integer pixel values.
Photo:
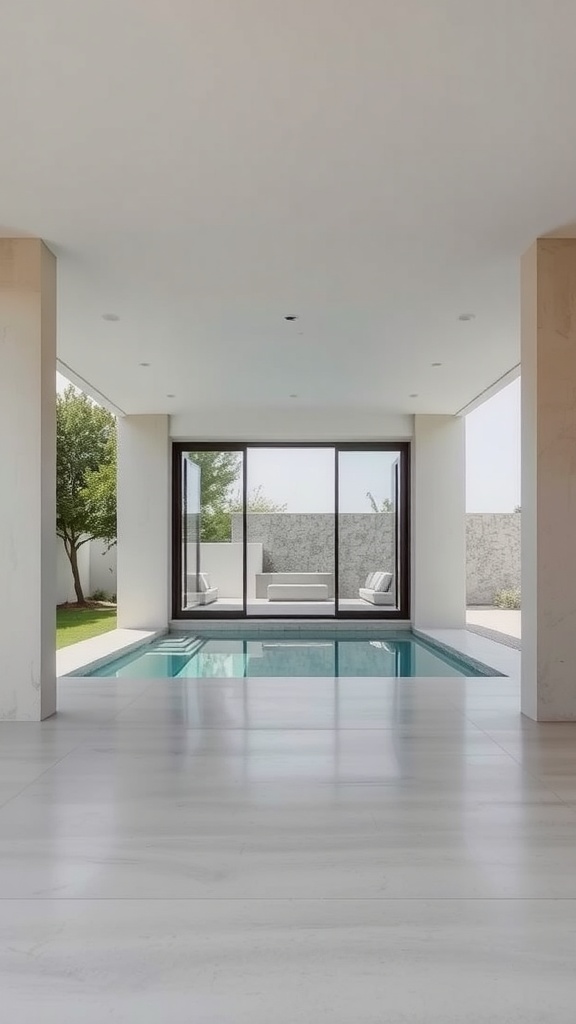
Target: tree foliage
(220, 497)
(385, 506)
(85, 476)
(257, 502)
(219, 471)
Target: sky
(493, 453)
(304, 481)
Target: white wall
(64, 582)
(302, 424)
(143, 522)
(102, 569)
(97, 567)
(223, 563)
(439, 525)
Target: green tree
(216, 525)
(219, 473)
(85, 476)
(385, 506)
(257, 502)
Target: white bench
(297, 592)
(266, 579)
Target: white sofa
(202, 592)
(378, 589)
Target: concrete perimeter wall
(493, 541)
(97, 567)
(304, 542)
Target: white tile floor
(272, 852)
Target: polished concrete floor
(273, 852)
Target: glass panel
(212, 534)
(368, 535)
(190, 533)
(290, 531)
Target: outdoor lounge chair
(202, 590)
(378, 589)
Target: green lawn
(74, 624)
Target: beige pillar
(28, 480)
(439, 500)
(549, 480)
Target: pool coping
(482, 653)
(480, 650)
(288, 625)
(79, 659)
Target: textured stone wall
(492, 554)
(366, 545)
(304, 542)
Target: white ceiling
(204, 167)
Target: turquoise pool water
(258, 654)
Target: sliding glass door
(369, 498)
(291, 530)
(209, 542)
(190, 576)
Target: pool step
(187, 645)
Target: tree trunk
(72, 552)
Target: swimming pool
(235, 655)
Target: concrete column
(439, 523)
(143, 522)
(549, 480)
(28, 489)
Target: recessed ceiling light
(111, 317)
(466, 316)
(436, 364)
(170, 396)
(293, 396)
(291, 317)
(413, 396)
(143, 364)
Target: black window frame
(403, 541)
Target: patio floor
(497, 624)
